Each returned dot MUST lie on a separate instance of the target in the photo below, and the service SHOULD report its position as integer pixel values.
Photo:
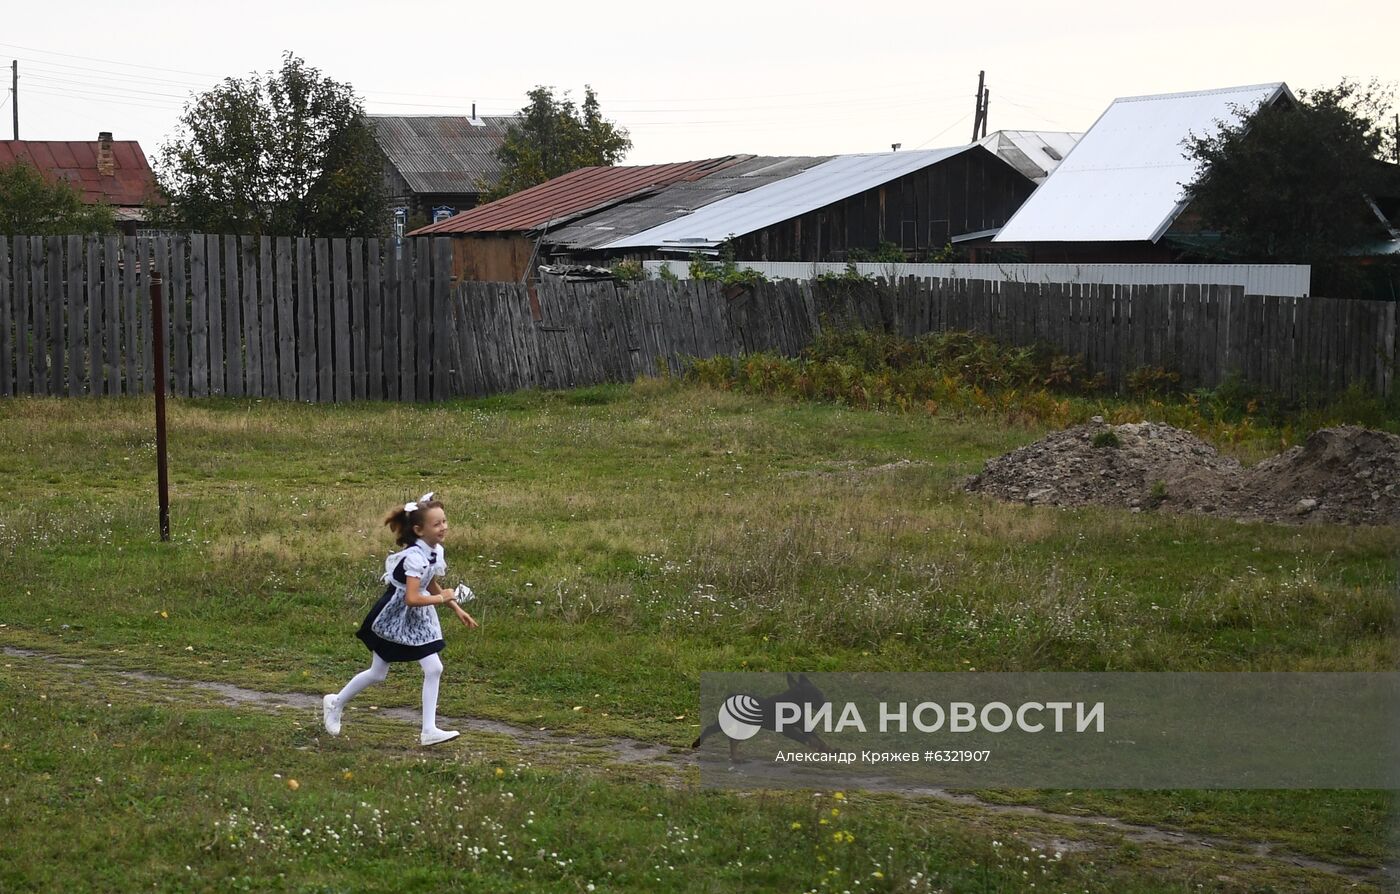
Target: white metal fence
(1289, 280)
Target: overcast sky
(689, 80)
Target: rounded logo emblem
(740, 717)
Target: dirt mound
(1344, 475)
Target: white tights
(378, 671)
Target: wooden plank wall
(297, 319)
(612, 332)
(339, 320)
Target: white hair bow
(412, 505)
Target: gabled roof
(1124, 180)
(130, 184)
(634, 215)
(1034, 153)
(561, 199)
(816, 187)
(442, 153)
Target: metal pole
(162, 473)
(14, 95)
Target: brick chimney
(106, 162)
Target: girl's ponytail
(402, 520)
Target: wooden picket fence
(352, 319)
(604, 331)
(298, 319)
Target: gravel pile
(1345, 475)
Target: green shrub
(629, 271)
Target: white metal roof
(1034, 153)
(816, 187)
(1123, 181)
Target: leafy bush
(849, 275)
(884, 253)
(629, 271)
(726, 271)
(1153, 381)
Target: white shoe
(330, 714)
(434, 736)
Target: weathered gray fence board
(179, 317)
(267, 318)
(73, 282)
(288, 376)
(422, 359)
(357, 320)
(252, 323)
(324, 303)
(19, 312)
(161, 248)
(145, 339)
(408, 331)
(92, 307)
(306, 322)
(392, 320)
(374, 326)
(53, 357)
(218, 360)
(39, 315)
(442, 330)
(340, 321)
(7, 379)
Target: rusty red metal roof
(130, 184)
(573, 193)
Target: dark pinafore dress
(395, 630)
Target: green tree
(32, 206)
(554, 137)
(1289, 183)
(287, 153)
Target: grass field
(622, 540)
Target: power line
(612, 101)
(944, 130)
(107, 61)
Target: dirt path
(679, 761)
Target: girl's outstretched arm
(464, 617)
(414, 596)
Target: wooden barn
(919, 201)
(496, 242)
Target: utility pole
(977, 116)
(1397, 138)
(14, 94)
(986, 100)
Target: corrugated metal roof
(816, 187)
(131, 184)
(442, 153)
(562, 198)
(1123, 181)
(1034, 153)
(668, 203)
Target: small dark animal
(801, 691)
